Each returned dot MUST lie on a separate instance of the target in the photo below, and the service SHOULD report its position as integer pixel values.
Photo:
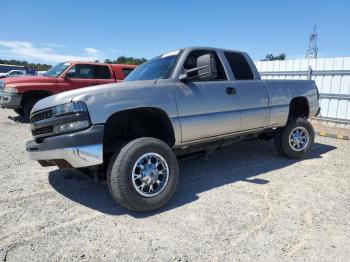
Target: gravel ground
(244, 203)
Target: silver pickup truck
(179, 103)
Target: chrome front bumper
(10, 101)
(79, 149)
(81, 156)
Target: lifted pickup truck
(21, 93)
(181, 102)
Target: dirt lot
(243, 203)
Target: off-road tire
(277, 141)
(282, 136)
(119, 175)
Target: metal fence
(332, 77)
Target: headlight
(61, 119)
(78, 120)
(72, 126)
(74, 107)
(10, 89)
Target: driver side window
(192, 60)
(81, 71)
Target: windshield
(57, 69)
(159, 67)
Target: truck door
(78, 76)
(206, 108)
(83, 75)
(251, 92)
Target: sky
(54, 31)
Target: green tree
(126, 60)
(36, 66)
(271, 57)
(44, 67)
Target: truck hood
(29, 79)
(89, 95)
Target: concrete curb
(337, 136)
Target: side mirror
(205, 70)
(183, 77)
(70, 74)
(207, 67)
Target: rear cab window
(239, 66)
(102, 72)
(127, 71)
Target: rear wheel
(143, 176)
(296, 138)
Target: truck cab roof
(98, 63)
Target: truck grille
(43, 122)
(41, 116)
(42, 130)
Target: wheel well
(27, 96)
(127, 125)
(299, 107)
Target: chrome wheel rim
(150, 174)
(299, 138)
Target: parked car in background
(185, 101)
(40, 73)
(13, 73)
(21, 93)
(4, 68)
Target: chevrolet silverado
(179, 103)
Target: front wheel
(143, 176)
(19, 111)
(28, 106)
(296, 138)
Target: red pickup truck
(21, 93)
